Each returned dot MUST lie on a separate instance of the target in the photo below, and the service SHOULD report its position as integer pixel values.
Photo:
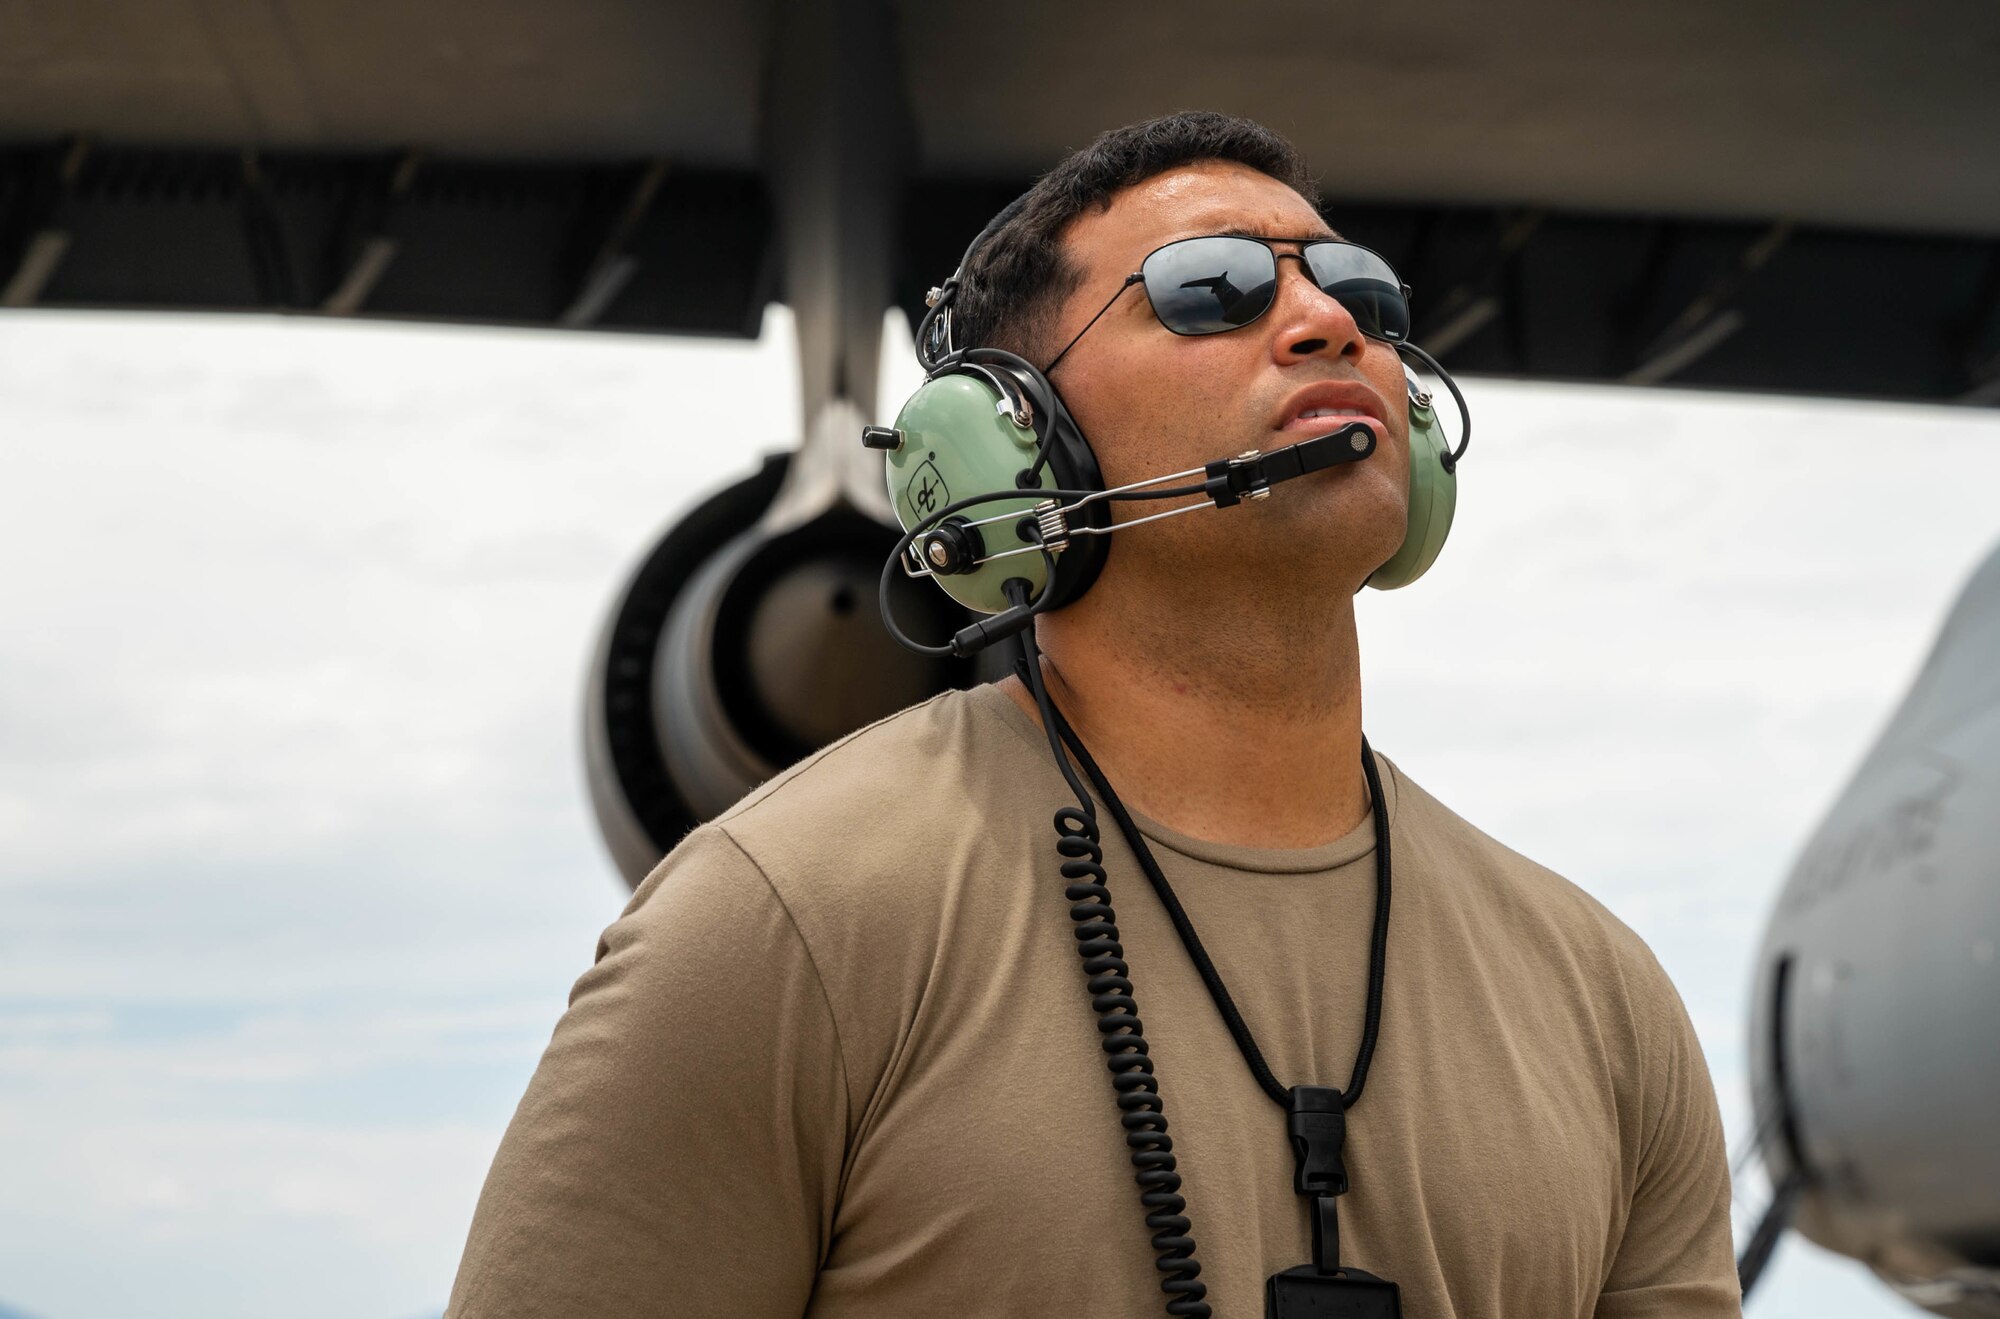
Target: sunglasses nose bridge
(1317, 298)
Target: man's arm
(1675, 1260)
(679, 1148)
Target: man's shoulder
(871, 771)
(1517, 892)
(886, 797)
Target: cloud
(191, 1217)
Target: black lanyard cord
(1378, 948)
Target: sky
(296, 864)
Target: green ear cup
(959, 438)
(1433, 498)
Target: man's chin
(1313, 554)
(1366, 507)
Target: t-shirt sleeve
(1675, 1260)
(679, 1149)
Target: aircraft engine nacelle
(736, 649)
(1876, 1021)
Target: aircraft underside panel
(640, 246)
(665, 247)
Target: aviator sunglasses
(1223, 282)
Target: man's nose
(1310, 322)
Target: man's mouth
(1323, 408)
(1324, 421)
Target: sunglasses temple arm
(1130, 280)
(1049, 438)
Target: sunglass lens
(1363, 283)
(1207, 285)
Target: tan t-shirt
(837, 1060)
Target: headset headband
(935, 344)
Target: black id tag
(1306, 1293)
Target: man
(837, 1059)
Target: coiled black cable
(1141, 1111)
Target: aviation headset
(987, 423)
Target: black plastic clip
(1318, 1128)
(1229, 481)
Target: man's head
(1152, 401)
(1017, 281)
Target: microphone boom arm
(1225, 482)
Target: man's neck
(1248, 733)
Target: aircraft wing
(1790, 196)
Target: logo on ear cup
(959, 439)
(926, 490)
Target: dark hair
(1015, 284)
